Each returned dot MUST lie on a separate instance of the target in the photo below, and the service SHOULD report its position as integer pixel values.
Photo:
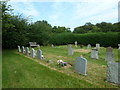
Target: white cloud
(25, 8)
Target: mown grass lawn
(19, 71)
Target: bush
(104, 39)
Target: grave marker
(32, 53)
(27, 51)
(19, 49)
(88, 46)
(23, 49)
(75, 43)
(81, 65)
(39, 54)
(94, 53)
(113, 74)
(109, 54)
(97, 46)
(70, 50)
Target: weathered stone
(109, 54)
(88, 46)
(70, 50)
(32, 53)
(27, 51)
(81, 65)
(97, 46)
(23, 49)
(39, 54)
(19, 50)
(113, 74)
(94, 53)
(75, 43)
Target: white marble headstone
(70, 50)
(39, 54)
(109, 54)
(19, 50)
(118, 46)
(75, 43)
(27, 51)
(32, 53)
(97, 46)
(81, 65)
(88, 46)
(23, 49)
(52, 46)
(94, 53)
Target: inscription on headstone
(81, 65)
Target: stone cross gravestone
(81, 65)
(88, 46)
(19, 50)
(75, 43)
(27, 51)
(23, 49)
(94, 53)
(112, 73)
(32, 53)
(109, 54)
(97, 46)
(39, 54)
(70, 50)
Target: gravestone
(75, 43)
(112, 73)
(39, 54)
(52, 46)
(19, 50)
(88, 46)
(70, 50)
(23, 49)
(32, 53)
(97, 46)
(118, 46)
(27, 51)
(81, 65)
(94, 53)
(109, 54)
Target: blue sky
(68, 14)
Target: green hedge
(105, 39)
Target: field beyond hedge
(21, 71)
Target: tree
(40, 32)
(60, 29)
(13, 28)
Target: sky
(67, 13)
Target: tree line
(17, 30)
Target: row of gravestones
(112, 73)
(32, 53)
